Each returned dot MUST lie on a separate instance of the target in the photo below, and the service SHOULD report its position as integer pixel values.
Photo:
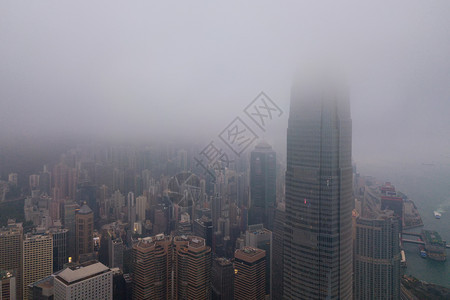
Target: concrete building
(11, 253)
(171, 268)
(152, 266)
(203, 228)
(90, 280)
(7, 286)
(259, 237)
(193, 268)
(116, 249)
(69, 222)
(84, 240)
(37, 259)
(141, 205)
(42, 289)
(377, 256)
(318, 236)
(13, 178)
(250, 277)
(131, 209)
(222, 279)
(277, 253)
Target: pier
(432, 242)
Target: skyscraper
(11, 254)
(141, 205)
(7, 286)
(131, 209)
(37, 259)
(222, 279)
(262, 185)
(193, 268)
(259, 237)
(250, 278)
(84, 242)
(317, 238)
(151, 263)
(377, 257)
(277, 252)
(59, 247)
(69, 212)
(168, 267)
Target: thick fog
(166, 70)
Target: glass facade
(317, 234)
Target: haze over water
(428, 186)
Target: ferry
(437, 214)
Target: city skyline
(221, 151)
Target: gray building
(377, 257)
(222, 279)
(262, 185)
(318, 236)
(59, 247)
(277, 253)
(259, 237)
(115, 248)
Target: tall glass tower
(262, 185)
(317, 234)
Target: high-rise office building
(318, 238)
(262, 185)
(171, 268)
(45, 181)
(11, 253)
(259, 237)
(84, 231)
(116, 248)
(377, 257)
(250, 278)
(131, 209)
(152, 268)
(59, 236)
(193, 268)
(203, 228)
(13, 178)
(277, 253)
(141, 205)
(222, 279)
(34, 182)
(69, 222)
(7, 286)
(90, 280)
(37, 259)
(60, 181)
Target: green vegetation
(433, 238)
(12, 210)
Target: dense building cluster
(146, 222)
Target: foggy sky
(155, 70)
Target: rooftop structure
(89, 280)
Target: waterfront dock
(432, 241)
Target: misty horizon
(154, 73)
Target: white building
(141, 205)
(90, 280)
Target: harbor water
(428, 185)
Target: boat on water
(423, 252)
(437, 214)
